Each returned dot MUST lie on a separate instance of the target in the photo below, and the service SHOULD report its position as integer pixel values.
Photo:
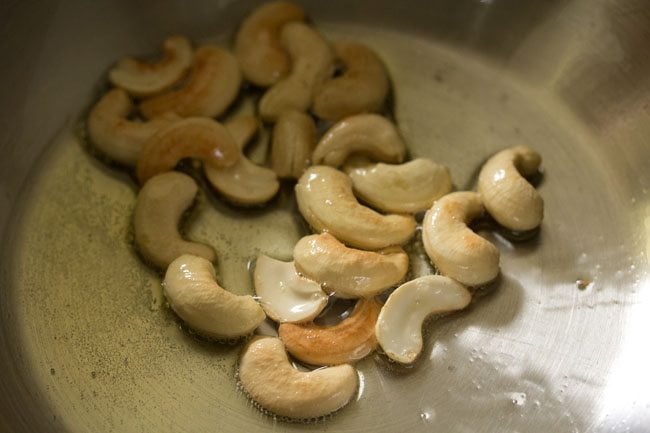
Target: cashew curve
(294, 138)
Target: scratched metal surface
(557, 344)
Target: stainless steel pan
(558, 344)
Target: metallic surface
(558, 344)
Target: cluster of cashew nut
(356, 250)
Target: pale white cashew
(362, 88)
(213, 84)
(350, 340)
(294, 138)
(326, 201)
(405, 188)
(312, 60)
(158, 210)
(243, 183)
(196, 137)
(452, 246)
(285, 295)
(399, 326)
(142, 79)
(267, 376)
(194, 294)
(348, 272)
(117, 137)
(371, 135)
(511, 200)
(261, 56)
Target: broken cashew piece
(452, 246)
(348, 341)
(312, 59)
(213, 84)
(284, 294)
(348, 272)
(117, 137)
(399, 326)
(294, 138)
(267, 376)
(261, 56)
(411, 187)
(142, 79)
(326, 201)
(195, 137)
(511, 200)
(193, 293)
(371, 135)
(362, 88)
(158, 210)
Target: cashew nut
(399, 326)
(142, 79)
(508, 197)
(368, 134)
(312, 59)
(158, 210)
(195, 137)
(194, 294)
(242, 128)
(257, 44)
(326, 201)
(349, 341)
(114, 135)
(348, 272)
(406, 188)
(453, 247)
(362, 88)
(243, 183)
(294, 137)
(285, 295)
(267, 376)
(213, 84)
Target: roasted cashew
(261, 56)
(405, 188)
(294, 138)
(312, 59)
(267, 376)
(362, 88)
(367, 134)
(242, 128)
(194, 294)
(348, 272)
(195, 137)
(142, 79)
(158, 210)
(117, 137)
(285, 295)
(213, 84)
(453, 247)
(243, 183)
(508, 197)
(326, 201)
(349, 341)
(399, 326)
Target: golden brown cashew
(453, 247)
(507, 195)
(161, 203)
(117, 137)
(195, 137)
(212, 86)
(349, 341)
(261, 56)
(267, 376)
(242, 128)
(362, 88)
(294, 138)
(312, 59)
(142, 79)
(326, 201)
